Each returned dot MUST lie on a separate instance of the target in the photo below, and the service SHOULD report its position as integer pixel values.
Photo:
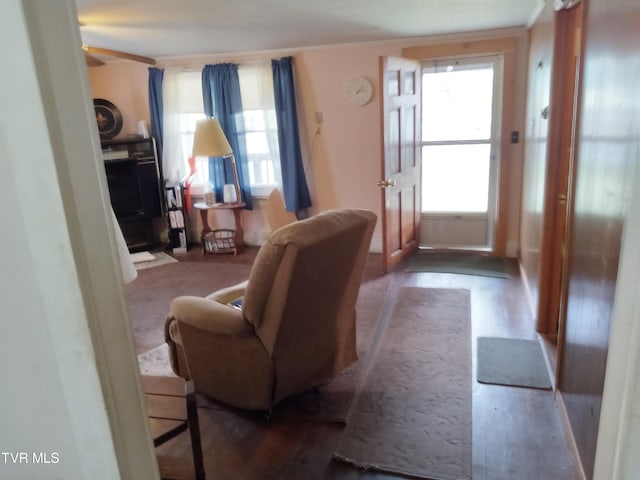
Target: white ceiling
(168, 28)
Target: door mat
(512, 362)
(462, 263)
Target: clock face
(359, 91)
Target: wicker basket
(219, 241)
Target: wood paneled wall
(608, 151)
(606, 154)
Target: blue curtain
(221, 98)
(294, 183)
(155, 109)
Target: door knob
(386, 183)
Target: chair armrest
(210, 316)
(229, 294)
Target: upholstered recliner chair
(296, 327)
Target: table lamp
(209, 141)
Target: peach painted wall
(344, 157)
(125, 84)
(342, 160)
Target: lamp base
(229, 194)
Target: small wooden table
(171, 408)
(236, 208)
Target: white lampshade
(209, 139)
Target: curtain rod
(198, 64)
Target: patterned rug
(413, 415)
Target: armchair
(296, 327)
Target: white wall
(64, 318)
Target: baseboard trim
(527, 289)
(549, 362)
(568, 436)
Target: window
(457, 136)
(187, 130)
(261, 131)
(191, 110)
(263, 154)
(259, 127)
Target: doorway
(460, 143)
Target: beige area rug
(142, 260)
(413, 415)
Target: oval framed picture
(108, 117)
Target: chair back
(302, 294)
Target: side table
(171, 408)
(238, 233)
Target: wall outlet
(318, 118)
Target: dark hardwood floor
(517, 432)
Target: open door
(400, 183)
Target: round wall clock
(359, 91)
(108, 117)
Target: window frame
(259, 188)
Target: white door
(461, 100)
